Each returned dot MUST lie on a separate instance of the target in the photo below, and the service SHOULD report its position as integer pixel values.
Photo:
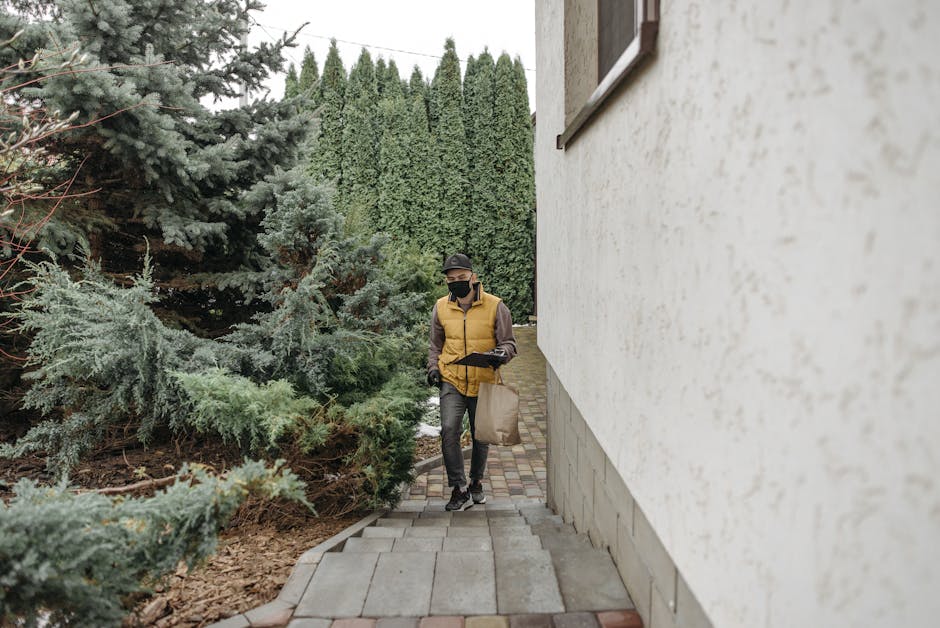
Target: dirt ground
(255, 554)
(251, 565)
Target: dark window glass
(616, 28)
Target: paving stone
(397, 622)
(401, 514)
(426, 522)
(427, 532)
(463, 531)
(401, 585)
(526, 583)
(418, 544)
(468, 544)
(235, 621)
(530, 621)
(620, 619)
(486, 621)
(437, 514)
(511, 531)
(565, 542)
(472, 513)
(412, 505)
(523, 502)
(589, 581)
(297, 583)
(576, 620)
(373, 532)
(442, 622)
(539, 514)
(478, 521)
(359, 544)
(394, 523)
(507, 522)
(497, 514)
(515, 543)
(354, 622)
(499, 503)
(464, 584)
(310, 622)
(276, 613)
(339, 586)
(552, 527)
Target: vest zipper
(466, 368)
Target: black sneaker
(459, 500)
(476, 492)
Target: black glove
(496, 358)
(434, 378)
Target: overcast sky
(412, 32)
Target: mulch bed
(256, 552)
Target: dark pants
(453, 406)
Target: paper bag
(497, 415)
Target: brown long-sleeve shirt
(505, 339)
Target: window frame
(642, 46)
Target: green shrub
(76, 558)
(386, 424)
(254, 416)
(341, 341)
(101, 355)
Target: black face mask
(459, 289)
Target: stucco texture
(739, 286)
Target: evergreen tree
(482, 137)
(82, 558)
(291, 87)
(512, 255)
(327, 158)
(449, 158)
(468, 81)
(357, 193)
(394, 86)
(417, 85)
(380, 78)
(158, 163)
(392, 215)
(309, 80)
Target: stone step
(382, 532)
(418, 544)
(360, 544)
(565, 542)
(339, 586)
(500, 529)
(526, 583)
(589, 581)
(552, 527)
(464, 584)
(401, 585)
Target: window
(604, 41)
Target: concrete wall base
(588, 492)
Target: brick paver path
(510, 471)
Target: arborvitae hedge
(451, 172)
(326, 161)
(357, 195)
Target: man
(465, 321)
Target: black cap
(457, 260)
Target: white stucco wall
(739, 286)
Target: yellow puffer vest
(464, 334)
